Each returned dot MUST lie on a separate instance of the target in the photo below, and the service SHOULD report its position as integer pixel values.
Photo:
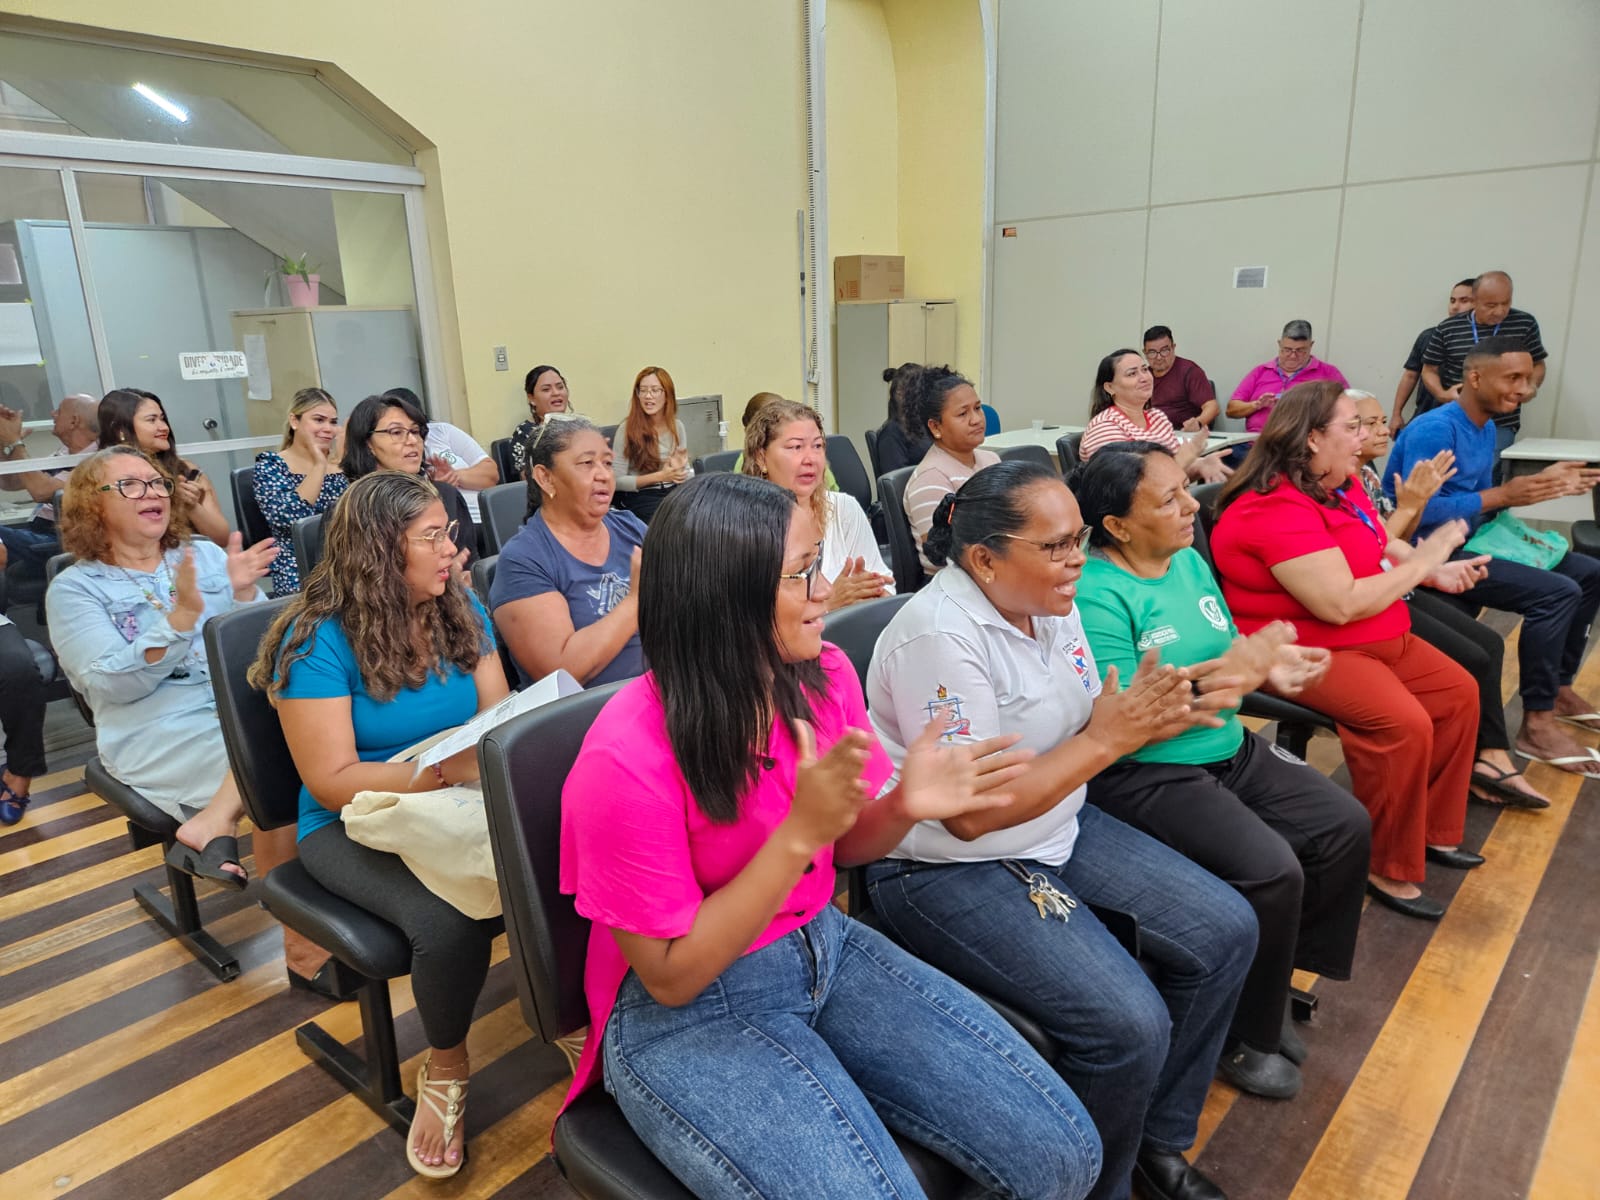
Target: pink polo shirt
(1269, 379)
(640, 856)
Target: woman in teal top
(384, 649)
(1291, 842)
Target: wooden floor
(1463, 1060)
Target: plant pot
(302, 294)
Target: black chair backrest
(1028, 453)
(259, 756)
(500, 451)
(306, 534)
(907, 567)
(252, 521)
(847, 470)
(722, 460)
(483, 570)
(855, 629)
(1067, 451)
(609, 432)
(1206, 494)
(502, 509)
(524, 764)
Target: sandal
(208, 863)
(12, 806)
(453, 1094)
(1586, 765)
(1495, 790)
(1582, 721)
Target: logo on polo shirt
(1078, 655)
(1159, 636)
(1212, 611)
(946, 707)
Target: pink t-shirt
(640, 856)
(1111, 425)
(1269, 379)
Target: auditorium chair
(252, 521)
(306, 536)
(524, 764)
(903, 561)
(722, 460)
(501, 510)
(871, 437)
(1067, 451)
(370, 951)
(845, 463)
(1586, 534)
(1029, 453)
(500, 451)
(483, 570)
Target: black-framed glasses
(1058, 550)
(138, 489)
(401, 433)
(810, 573)
(438, 536)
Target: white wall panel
(1576, 407)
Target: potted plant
(300, 280)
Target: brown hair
(81, 520)
(763, 431)
(639, 445)
(304, 401)
(360, 582)
(755, 404)
(1283, 450)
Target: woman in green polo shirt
(1293, 843)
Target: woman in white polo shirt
(999, 900)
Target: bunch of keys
(1042, 894)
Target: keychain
(1042, 894)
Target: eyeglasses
(1058, 550)
(438, 537)
(652, 391)
(138, 489)
(1159, 351)
(1353, 425)
(400, 433)
(1293, 351)
(810, 573)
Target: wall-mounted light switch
(501, 362)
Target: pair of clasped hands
(939, 781)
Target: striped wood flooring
(1463, 1060)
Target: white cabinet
(874, 334)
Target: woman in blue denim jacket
(126, 621)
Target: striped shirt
(1111, 425)
(939, 472)
(1448, 347)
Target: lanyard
(1361, 514)
(1473, 317)
(1283, 379)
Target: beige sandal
(452, 1094)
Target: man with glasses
(1260, 389)
(1411, 375)
(1182, 390)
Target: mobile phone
(192, 474)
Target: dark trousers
(449, 950)
(31, 545)
(1482, 651)
(21, 704)
(1286, 837)
(1557, 607)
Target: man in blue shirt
(1557, 605)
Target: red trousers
(1408, 722)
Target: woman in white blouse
(784, 442)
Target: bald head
(1491, 297)
(77, 422)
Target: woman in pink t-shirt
(1297, 539)
(755, 1038)
(1119, 411)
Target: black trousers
(449, 950)
(22, 702)
(1459, 635)
(1286, 837)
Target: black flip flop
(209, 862)
(1496, 786)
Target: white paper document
(551, 687)
(258, 379)
(212, 364)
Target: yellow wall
(611, 185)
(863, 133)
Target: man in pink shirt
(1259, 390)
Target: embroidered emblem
(1078, 655)
(609, 591)
(948, 708)
(1159, 636)
(1212, 611)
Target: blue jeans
(1140, 1055)
(779, 1078)
(1557, 607)
(31, 545)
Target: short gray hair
(1298, 330)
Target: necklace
(153, 595)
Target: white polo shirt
(457, 448)
(949, 652)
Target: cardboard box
(869, 277)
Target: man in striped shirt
(1491, 315)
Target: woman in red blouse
(1298, 540)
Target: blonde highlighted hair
(304, 401)
(763, 430)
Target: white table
(1549, 450)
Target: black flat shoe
(1424, 908)
(1290, 1044)
(1261, 1074)
(1461, 860)
(1166, 1175)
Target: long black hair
(1106, 484)
(358, 457)
(988, 506)
(708, 593)
(115, 415)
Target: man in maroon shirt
(1182, 390)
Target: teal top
(1182, 615)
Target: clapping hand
(1157, 704)
(10, 425)
(855, 583)
(244, 566)
(441, 471)
(1244, 666)
(940, 780)
(1426, 478)
(1297, 668)
(829, 792)
(1458, 576)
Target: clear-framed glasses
(401, 433)
(810, 573)
(656, 390)
(138, 489)
(1353, 425)
(1072, 543)
(438, 537)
